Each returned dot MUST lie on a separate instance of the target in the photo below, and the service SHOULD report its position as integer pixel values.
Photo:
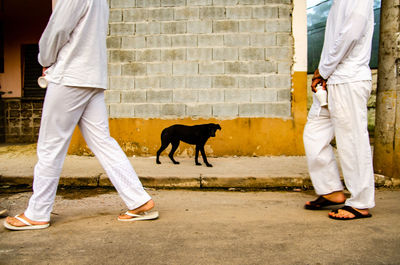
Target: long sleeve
(347, 27)
(63, 21)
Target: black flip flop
(320, 203)
(357, 214)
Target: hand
(44, 70)
(317, 79)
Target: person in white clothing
(72, 50)
(344, 72)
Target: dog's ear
(217, 127)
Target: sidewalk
(278, 172)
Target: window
(31, 70)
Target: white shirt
(348, 39)
(73, 45)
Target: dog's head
(212, 127)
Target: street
(203, 227)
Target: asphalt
(274, 172)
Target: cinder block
(121, 29)
(278, 81)
(241, 12)
(121, 83)
(285, 12)
(122, 3)
(173, 27)
(225, 26)
(112, 96)
(187, 13)
(172, 82)
(263, 40)
(211, 68)
(175, 110)
(265, 12)
(215, 95)
(173, 54)
(173, 3)
(184, 41)
(150, 55)
(114, 69)
(211, 40)
(225, 54)
(284, 67)
(147, 3)
(115, 16)
(237, 68)
(252, 26)
(237, 40)
(148, 82)
(263, 67)
(135, 14)
(199, 110)
(121, 56)
(113, 42)
(121, 110)
(284, 39)
(284, 94)
(161, 14)
(237, 95)
(251, 54)
(278, 53)
(225, 110)
(185, 68)
(251, 2)
(212, 13)
(147, 110)
(133, 42)
(264, 95)
(185, 95)
(280, 109)
(251, 81)
(198, 82)
(159, 68)
(199, 27)
(135, 96)
(278, 1)
(158, 41)
(198, 2)
(148, 28)
(224, 82)
(282, 25)
(251, 110)
(134, 69)
(225, 2)
(159, 96)
(199, 54)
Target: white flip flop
(28, 226)
(140, 217)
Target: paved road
(197, 227)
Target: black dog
(197, 135)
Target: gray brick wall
(200, 58)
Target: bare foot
(343, 214)
(144, 208)
(336, 196)
(15, 222)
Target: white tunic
(73, 44)
(347, 46)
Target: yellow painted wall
(239, 136)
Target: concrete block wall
(199, 58)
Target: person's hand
(43, 71)
(317, 79)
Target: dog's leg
(162, 148)
(175, 145)
(196, 156)
(203, 154)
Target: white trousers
(346, 119)
(65, 107)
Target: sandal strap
(352, 210)
(135, 215)
(23, 220)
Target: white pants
(346, 119)
(65, 107)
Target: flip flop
(28, 226)
(357, 214)
(140, 217)
(320, 203)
